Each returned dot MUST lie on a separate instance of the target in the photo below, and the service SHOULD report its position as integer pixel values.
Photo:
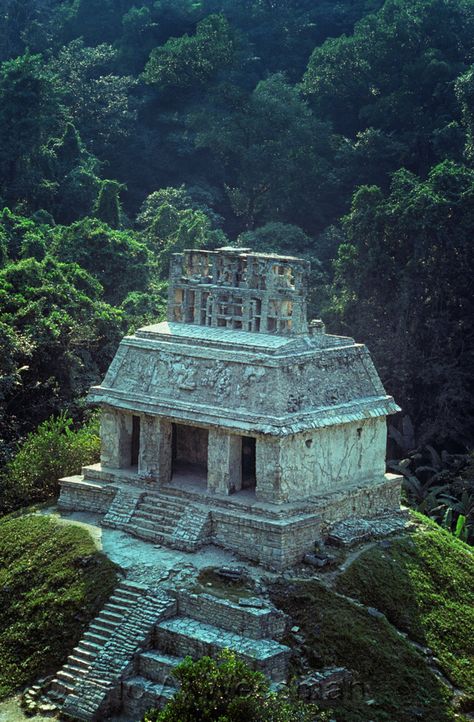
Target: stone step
(91, 647)
(154, 526)
(80, 652)
(160, 507)
(170, 519)
(158, 667)
(139, 695)
(120, 608)
(108, 615)
(161, 502)
(103, 621)
(61, 688)
(98, 639)
(260, 621)
(185, 636)
(104, 627)
(78, 662)
(124, 597)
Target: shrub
(54, 450)
(227, 690)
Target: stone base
(276, 536)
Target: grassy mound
(423, 582)
(52, 582)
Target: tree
(270, 153)
(118, 259)
(54, 450)
(30, 113)
(403, 285)
(97, 98)
(59, 338)
(107, 207)
(192, 60)
(396, 74)
(170, 224)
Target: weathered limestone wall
(224, 467)
(79, 495)
(256, 623)
(191, 444)
(274, 544)
(325, 460)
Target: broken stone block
(328, 684)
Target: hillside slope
(53, 581)
(398, 613)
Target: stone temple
(236, 422)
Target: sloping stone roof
(242, 381)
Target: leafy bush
(227, 690)
(53, 451)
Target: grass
(424, 583)
(53, 581)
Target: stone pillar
(268, 470)
(224, 462)
(155, 448)
(149, 455)
(116, 439)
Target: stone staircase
(170, 521)
(125, 596)
(242, 629)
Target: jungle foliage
(342, 132)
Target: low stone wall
(362, 502)
(257, 623)
(80, 495)
(274, 544)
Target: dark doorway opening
(248, 462)
(135, 446)
(189, 446)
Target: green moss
(424, 584)
(52, 583)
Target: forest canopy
(339, 131)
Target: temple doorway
(248, 462)
(135, 441)
(189, 451)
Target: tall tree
(404, 285)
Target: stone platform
(185, 515)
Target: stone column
(155, 448)
(224, 464)
(148, 458)
(116, 439)
(268, 470)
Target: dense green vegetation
(227, 690)
(52, 583)
(423, 583)
(54, 450)
(341, 131)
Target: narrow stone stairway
(170, 521)
(156, 518)
(77, 665)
